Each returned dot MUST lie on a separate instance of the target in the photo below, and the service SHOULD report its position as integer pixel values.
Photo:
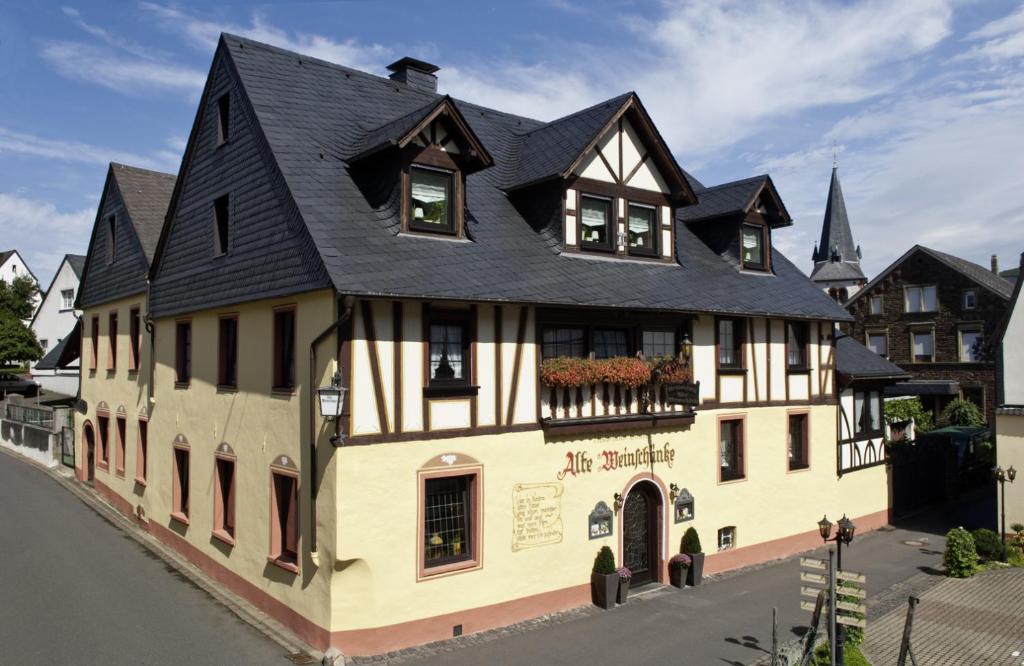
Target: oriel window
(596, 222)
(430, 200)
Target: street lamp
(843, 536)
(1002, 476)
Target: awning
(925, 387)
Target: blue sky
(924, 99)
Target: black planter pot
(677, 576)
(696, 571)
(623, 590)
(604, 589)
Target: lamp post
(1002, 476)
(843, 536)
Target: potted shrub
(691, 547)
(604, 582)
(677, 568)
(624, 576)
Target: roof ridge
(572, 115)
(121, 165)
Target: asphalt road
(727, 621)
(74, 589)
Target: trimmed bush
(604, 563)
(691, 542)
(987, 544)
(960, 558)
(960, 412)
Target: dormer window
(752, 250)
(642, 230)
(430, 199)
(596, 222)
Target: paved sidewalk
(726, 621)
(974, 621)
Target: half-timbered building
(552, 338)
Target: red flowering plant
(568, 372)
(670, 370)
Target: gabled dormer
(618, 183)
(434, 149)
(736, 221)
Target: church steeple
(836, 256)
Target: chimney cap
(412, 63)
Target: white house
(13, 266)
(1010, 403)
(53, 322)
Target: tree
(17, 303)
(18, 297)
(961, 412)
(17, 341)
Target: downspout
(347, 303)
(151, 329)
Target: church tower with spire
(836, 257)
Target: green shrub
(854, 635)
(985, 453)
(1014, 555)
(897, 411)
(987, 544)
(604, 563)
(960, 558)
(691, 542)
(852, 655)
(961, 412)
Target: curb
(296, 650)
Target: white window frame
(871, 305)
(914, 332)
(884, 334)
(969, 328)
(922, 290)
(973, 294)
(726, 538)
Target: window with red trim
(103, 425)
(95, 342)
(134, 339)
(224, 500)
(140, 458)
(180, 491)
(112, 341)
(284, 529)
(121, 436)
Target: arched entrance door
(89, 440)
(641, 537)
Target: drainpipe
(151, 329)
(347, 303)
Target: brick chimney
(414, 73)
(995, 264)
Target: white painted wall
(14, 267)
(53, 321)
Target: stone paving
(976, 620)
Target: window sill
(732, 371)
(450, 391)
(469, 564)
(226, 388)
(182, 385)
(180, 517)
(596, 248)
(142, 482)
(799, 468)
(282, 391)
(798, 371)
(104, 466)
(432, 230)
(284, 563)
(722, 480)
(119, 472)
(222, 536)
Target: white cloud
(203, 33)
(130, 76)
(76, 151)
(37, 224)
(1002, 39)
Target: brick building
(935, 315)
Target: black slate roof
(5, 255)
(311, 111)
(725, 199)
(835, 256)
(63, 353)
(145, 194)
(856, 361)
(77, 262)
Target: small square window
(970, 299)
(223, 118)
(45, 344)
(596, 223)
(726, 538)
(876, 305)
(221, 225)
(642, 229)
(67, 298)
(430, 200)
(752, 250)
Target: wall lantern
(619, 500)
(682, 503)
(332, 398)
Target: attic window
(430, 200)
(596, 222)
(220, 224)
(752, 247)
(223, 119)
(642, 229)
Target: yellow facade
(1010, 452)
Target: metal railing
(35, 416)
